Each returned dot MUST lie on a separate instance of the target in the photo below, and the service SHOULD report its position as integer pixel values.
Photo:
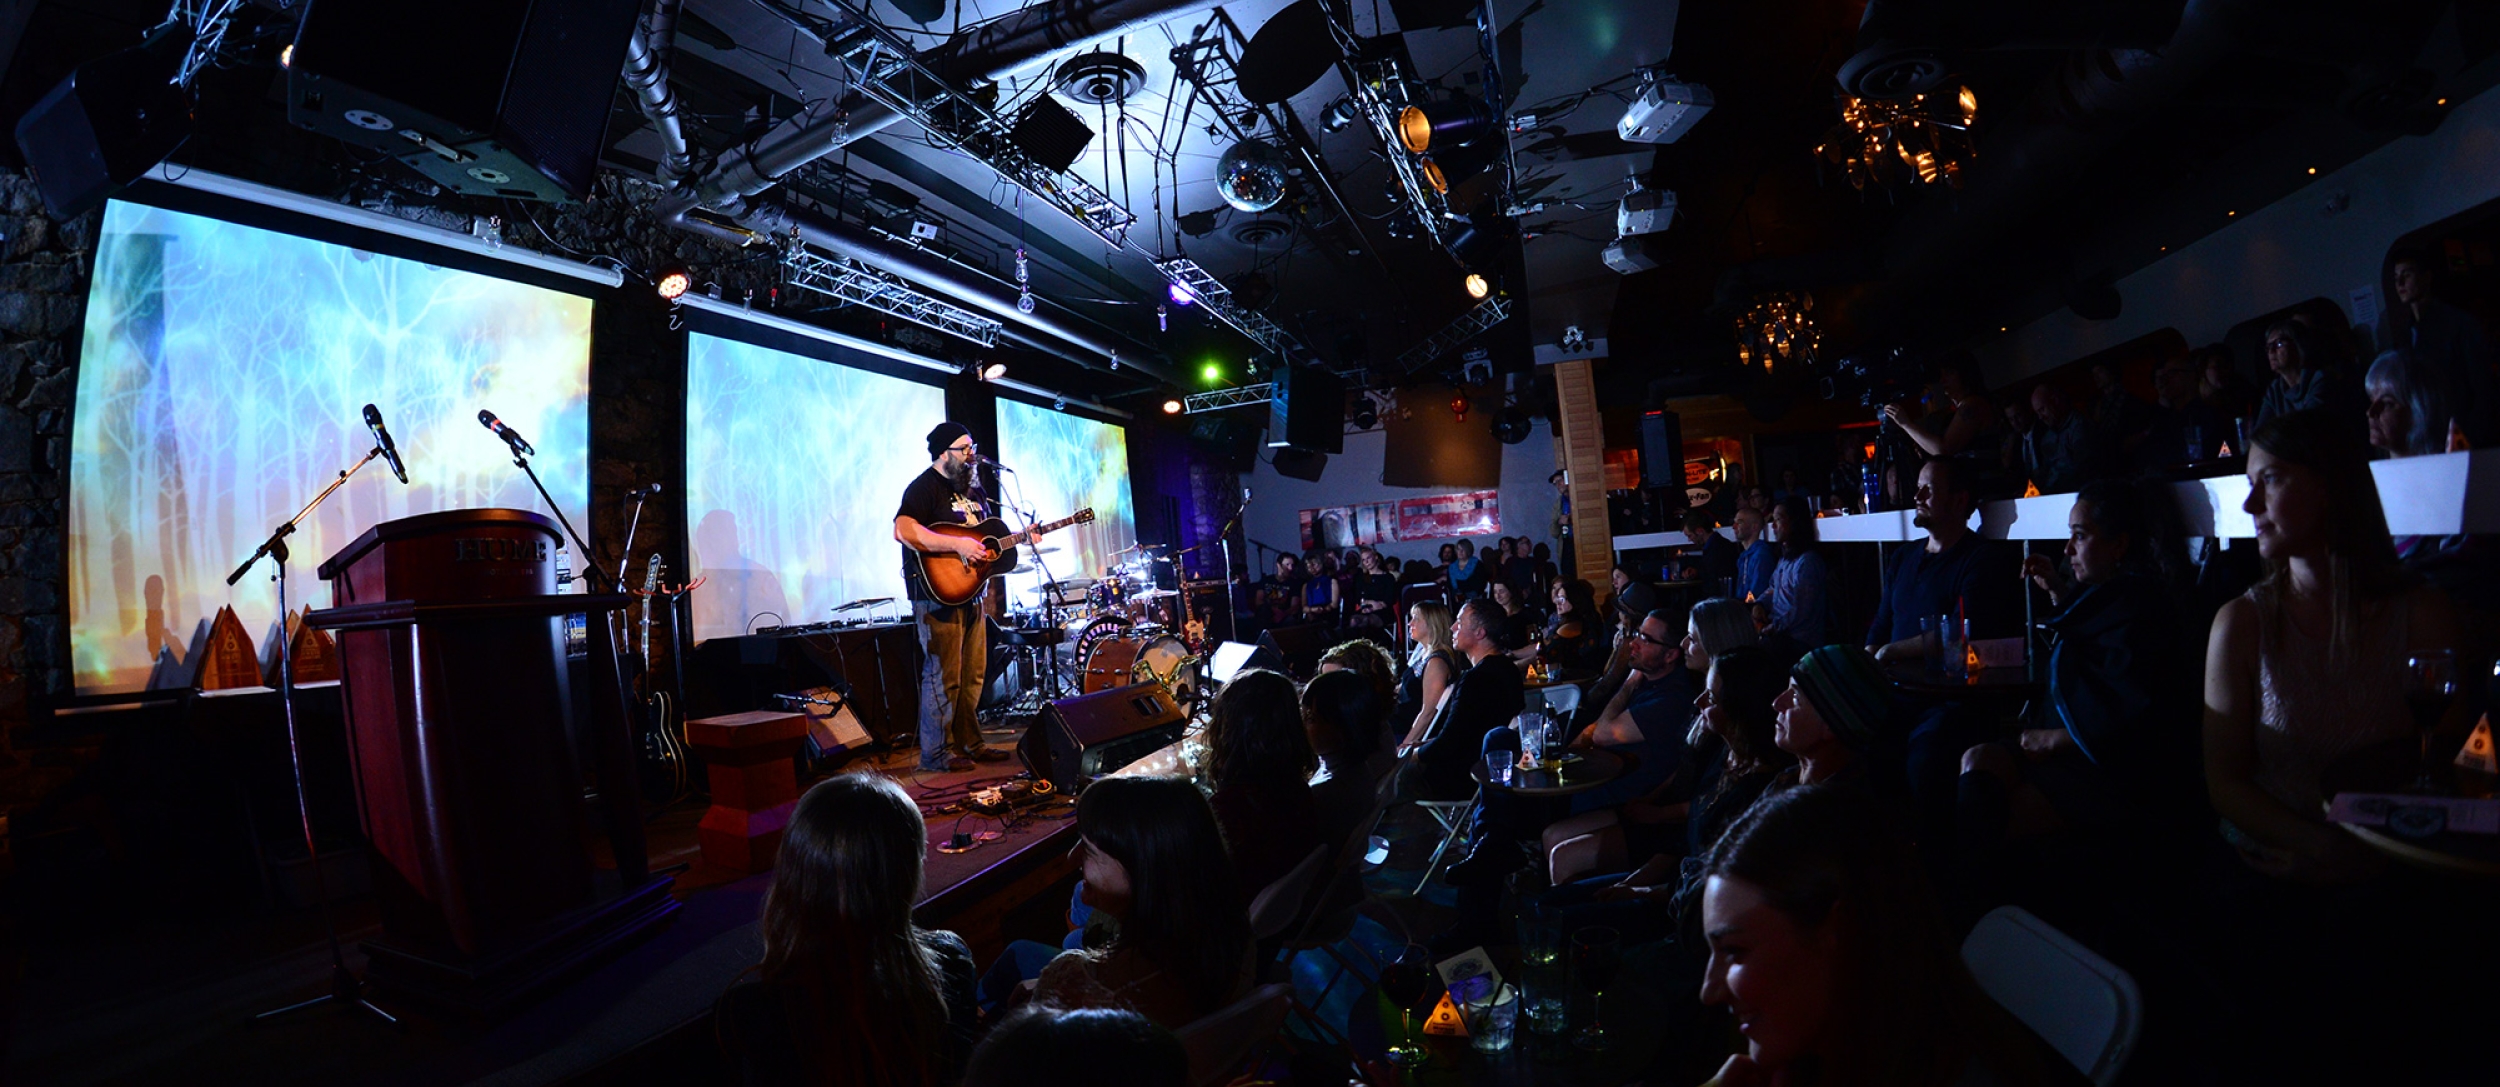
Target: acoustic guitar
(954, 580)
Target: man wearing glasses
(952, 654)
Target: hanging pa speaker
(1662, 450)
(488, 97)
(1306, 410)
(1051, 133)
(1301, 464)
(108, 122)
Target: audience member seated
(1715, 563)
(1826, 945)
(1431, 669)
(2309, 666)
(1280, 593)
(2186, 430)
(2302, 380)
(2408, 415)
(1955, 574)
(1469, 574)
(1630, 600)
(1799, 616)
(1258, 769)
(1341, 712)
(1036, 1046)
(1968, 431)
(1368, 659)
(1520, 570)
(2117, 747)
(2057, 454)
(2448, 342)
(1574, 638)
(2221, 387)
(849, 990)
(1375, 597)
(1756, 557)
(1154, 862)
(2121, 423)
(1320, 599)
(1737, 761)
(1490, 694)
(1836, 708)
(1518, 619)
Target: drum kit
(1118, 629)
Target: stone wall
(636, 413)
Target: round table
(1914, 677)
(1593, 768)
(2388, 768)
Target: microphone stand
(1224, 541)
(590, 569)
(345, 987)
(1052, 685)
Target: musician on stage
(951, 637)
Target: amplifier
(1076, 740)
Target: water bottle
(2195, 443)
(1871, 484)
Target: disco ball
(1251, 176)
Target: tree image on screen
(221, 384)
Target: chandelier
(1922, 140)
(1778, 329)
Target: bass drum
(1120, 661)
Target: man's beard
(1920, 520)
(956, 472)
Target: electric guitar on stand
(663, 748)
(954, 580)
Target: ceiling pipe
(985, 53)
(858, 243)
(647, 53)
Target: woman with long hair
(1375, 596)
(1801, 602)
(1574, 635)
(1320, 598)
(1431, 667)
(849, 990)
(1258, 772)
(2409, 416)
(1155, 864)
(1518, 618)
(1828, 948)
(2308, 667)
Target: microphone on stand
(510, 436)
(979, 459)
(649, 491)
(382, 438)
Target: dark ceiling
(2106, 132)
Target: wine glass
(1409, 980)
(1595, 952)
(2430, 685)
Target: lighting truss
(1381, 89)
(1218, 300)
(1221, 399)
(882, 67)
(849, 281)
(207, 20)
(1469, 325)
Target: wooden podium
(453, 674)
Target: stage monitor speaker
(1079, 739)
(108, 122)
(1300, 464)
(1662, 450)
(1299, 645)
(487, 97)
(1051, 133)
(1306, 410)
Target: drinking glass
(1595, 952)
(1491, 1018)
(1409, 980)
(1545, 994)
(2430, 685)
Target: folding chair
(1218, 1043)
(2075, 1000)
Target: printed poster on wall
(1335, 528)
(1446, 516)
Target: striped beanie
(1849, 690)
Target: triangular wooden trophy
(2478, 753)
(227, 661)
(316, 655)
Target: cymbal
(868, 602)
(1074, 584)
(1029, 549)
(1154, 594)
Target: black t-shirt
(934, 499)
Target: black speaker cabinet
(1306, 410)
(1300, 645)
(104, 125)
(1662, 450)
(491, 97)
(1300, 464)
(1079, 739)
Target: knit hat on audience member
(944, 435)
(1848, 690)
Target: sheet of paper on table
(2373, 809)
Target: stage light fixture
(1433, 176)
(673, 283)
(1478, 286)
(1366, 413)
(1172, 405)
(994, 371)
(1446, 123)
(1212, 373)
(1340, 115)
(1664, 110)
(1182, 295)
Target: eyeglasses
(1644, 636)
(967, 447)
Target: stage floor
(129, 983)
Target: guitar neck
(1041, 529)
